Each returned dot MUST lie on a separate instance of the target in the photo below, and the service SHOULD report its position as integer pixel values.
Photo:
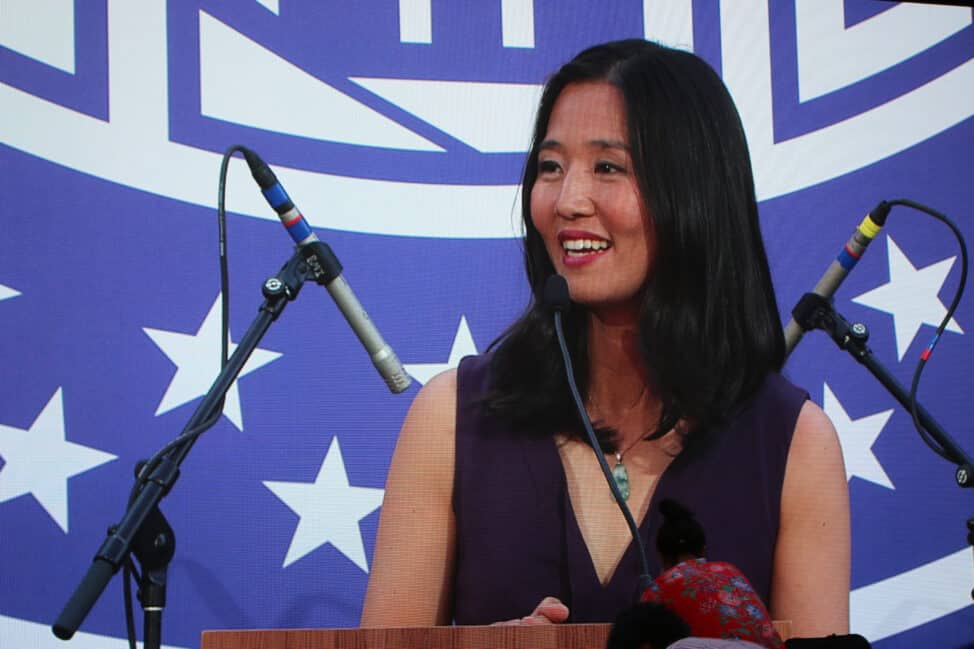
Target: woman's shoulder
(776, 387)
(441, 387)
(448, 397)
(471, 371)
(443, 380)
(774, 407)
(430, 418)
(474, 370)
(473, 384)
(815, 439)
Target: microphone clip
(314, 261)
(322, 262)
(816, 312)
(284, 287)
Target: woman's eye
(608, 168)
(547, 166)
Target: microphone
(327, 270)
(836, 273)
(556, 298)
(555, 295)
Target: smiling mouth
(582, 247)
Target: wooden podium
(556, 636)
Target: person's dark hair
(680, 532)
(646, 625)
(708, 325)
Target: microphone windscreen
(556, 295)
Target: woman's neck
(683, 558)
(618, 387)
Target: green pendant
(621, 476)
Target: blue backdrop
(400, 128)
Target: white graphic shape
(296, 103)
(490, 117)
(133, 149)
(857, 437)
(837, 149)
(416, 21)
(197, 361)
(40, 29)
(517, 23)
(273, 6)
(832, 57)
(912, 598)
(911, 297)
(669, 22)
(23, 633)
(39, 461)
(6, 292)
(463, 345)
(329, 510)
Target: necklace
(619, 472)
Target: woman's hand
(549, 611)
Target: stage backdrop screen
(400, 129)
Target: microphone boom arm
(143, 511)
(816, 312)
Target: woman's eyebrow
(609, 144)
(596, 144)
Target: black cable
(221, 216)
(925, 356)
(127, 594)
(645, 579)
(191, 435)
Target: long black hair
(708, 322)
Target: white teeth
(585, 244)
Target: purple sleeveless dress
(517, 539)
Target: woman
(638, 190)
(713, 597)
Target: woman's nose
(575, 196)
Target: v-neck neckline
(583, 567)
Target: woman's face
(585, 202)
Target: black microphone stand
(816, 312)
(143, 530)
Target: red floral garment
(716, 600)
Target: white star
(6, 292)
(196, 357)
(910, 296)
(463, 345)
(857, 438)
(39, 461)
(329, 510)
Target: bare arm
(811, 563)
(412, 568)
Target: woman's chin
(607, 307)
